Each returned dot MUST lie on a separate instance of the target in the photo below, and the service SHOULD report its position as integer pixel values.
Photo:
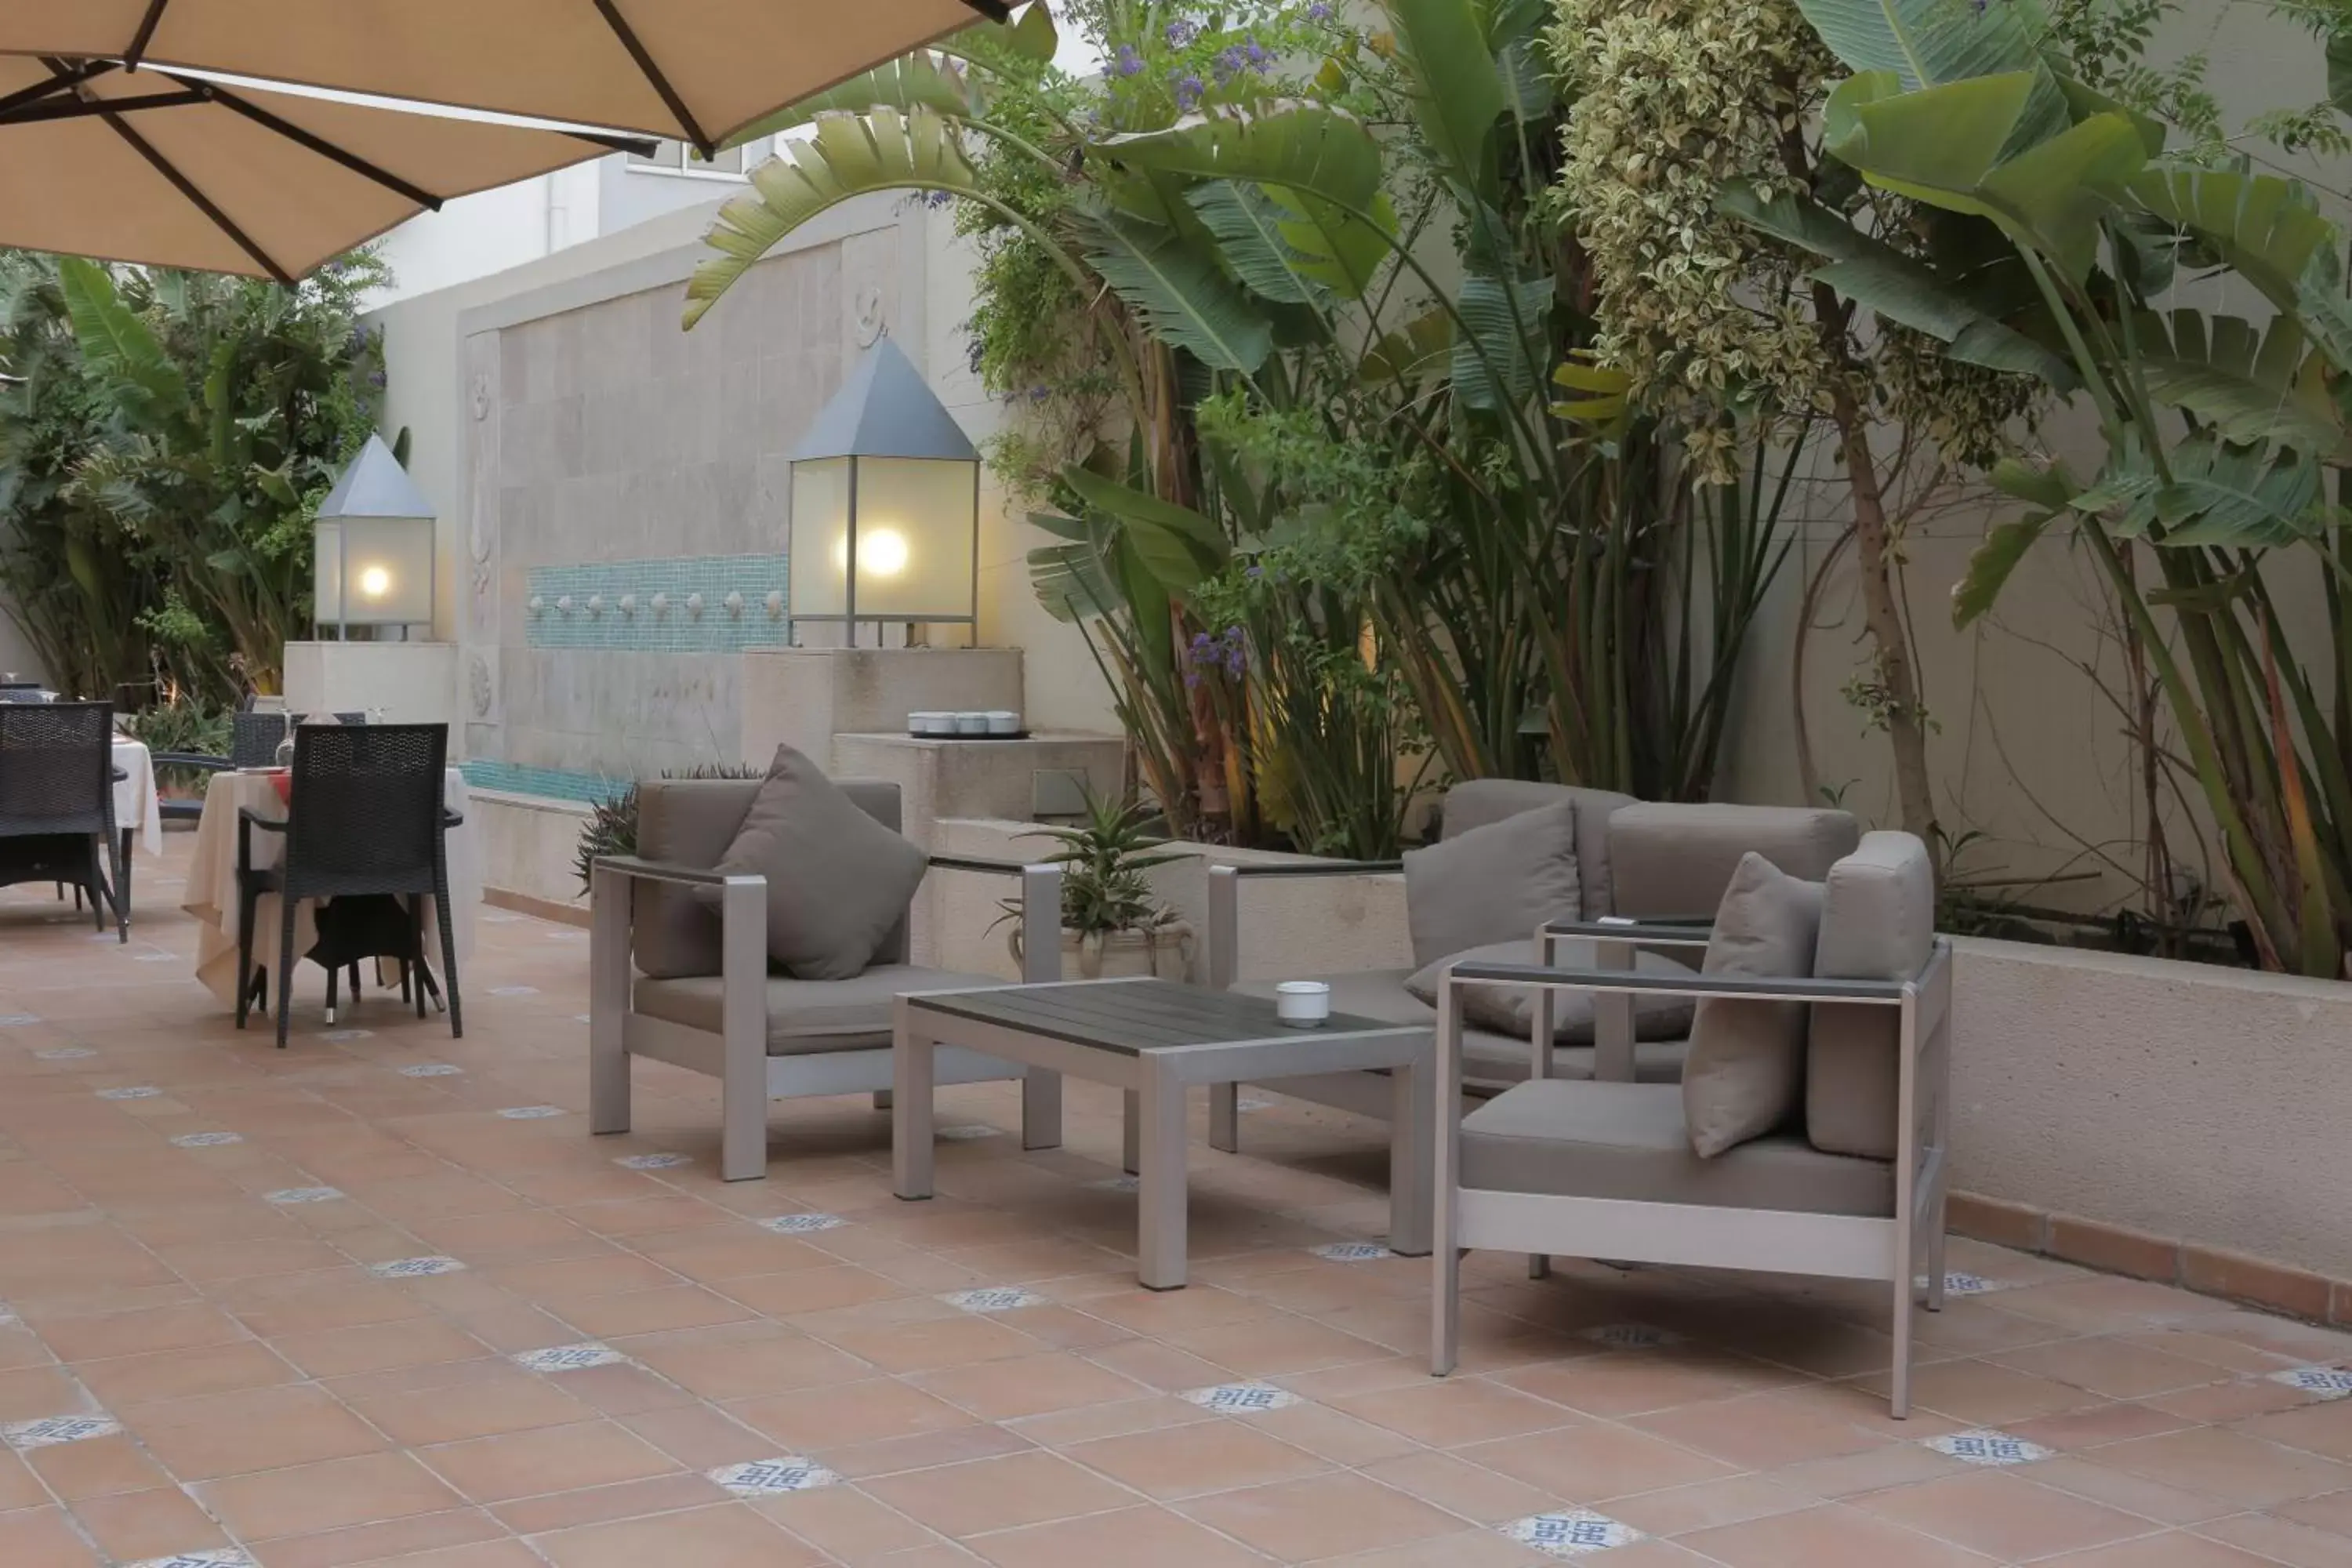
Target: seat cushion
(1627, 1141)
(1507, 1010)
(1746, 1075)
(1878, 922)
(805, 1017)
(838, 881)
(1489, 1060)
(1493, 883)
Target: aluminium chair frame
(738, 1055)
(1849, 1246)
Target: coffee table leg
(1041, 1109)
(1161, 1187)
(1412, 1168)
(910, 1110)
(1131, 1149)
(1226, 1116)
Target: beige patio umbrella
(696, 70)
(178, 171)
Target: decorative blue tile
(1570, 1532)
(1957, 1283)
(530, 1112)
(966, 1132)
(1985, 1447)
(305, 1196)
(205, 1140)
(18, 1020)
(1631, 1336)
(2327, 1381)
(1253, 1102)
(51, 1430)
(64, 1053)
(345, 1036)
(549, 784)
(1243, 1398)
(1351, 1251)
(653, 1162)
(993, 1299)
(568, 1358)
(514, 990)
(677, 626)
(215, 1557)
(772, 1477)
(802, 1223)
(431, 1069)
(1120, 1184)
(416, 1268)
(140, 1092)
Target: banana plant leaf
(1176, 545)
(918, 81)
(1457, 86)
(1497, 365)
(1177, 289)
(1926, 43)
(2252, 386)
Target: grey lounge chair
(1557, 1167)
(671, 981)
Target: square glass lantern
(373, 548)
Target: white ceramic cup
(931, 724)
(971, 723)
(1003, 721)
(1302, 1004)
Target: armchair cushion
(1878, 922)
(683, 822)
(1628, 1141)
(1656, 1016)
(1474, 802)
(838, 881)
(1491, 883)
(1746, 1074)
(805, 1017)
(1675, 861)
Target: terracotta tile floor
(382, 1299)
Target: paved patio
(382, 1298)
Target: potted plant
(1112, 926)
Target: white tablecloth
(212, 881)
(135, 804)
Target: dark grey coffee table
(1155, 1040)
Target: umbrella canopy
(697, 70)
(177, 170)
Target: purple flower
(1229, 64)
(1256, 572)
(1183, 31)
(1259, 56)
(1188, 90)
(938, 198)
(375, 379)
(1129, 62)
(1039, 392)
(1318, 12)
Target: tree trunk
(1906, 726)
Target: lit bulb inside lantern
(375, 582)
(881, 553)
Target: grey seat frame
(737, 1055)
(1889, 1248)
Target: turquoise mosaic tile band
(674, 626)
(550, 784)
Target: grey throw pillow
(1745, 1072)
(838, 881)
(1495, 883)
(1509, 1011)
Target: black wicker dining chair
(253, 741)
(56, 802)
(366, 818)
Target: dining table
(137, 809)
(210, 891)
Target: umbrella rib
(84, 108)
(652, 73)
(64, 81)
(311, 142)
(145, 35)
(202, 203)
(994, 10)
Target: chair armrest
(245, 815)
(1693, 932)
(121, 775)
(635, 868)
(452, 818)
(1226, 904)
(1761, 988)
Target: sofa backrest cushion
(691, 822)
(1491, 883)
(1878, 922)
(1675, 861)
(1474, 802)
